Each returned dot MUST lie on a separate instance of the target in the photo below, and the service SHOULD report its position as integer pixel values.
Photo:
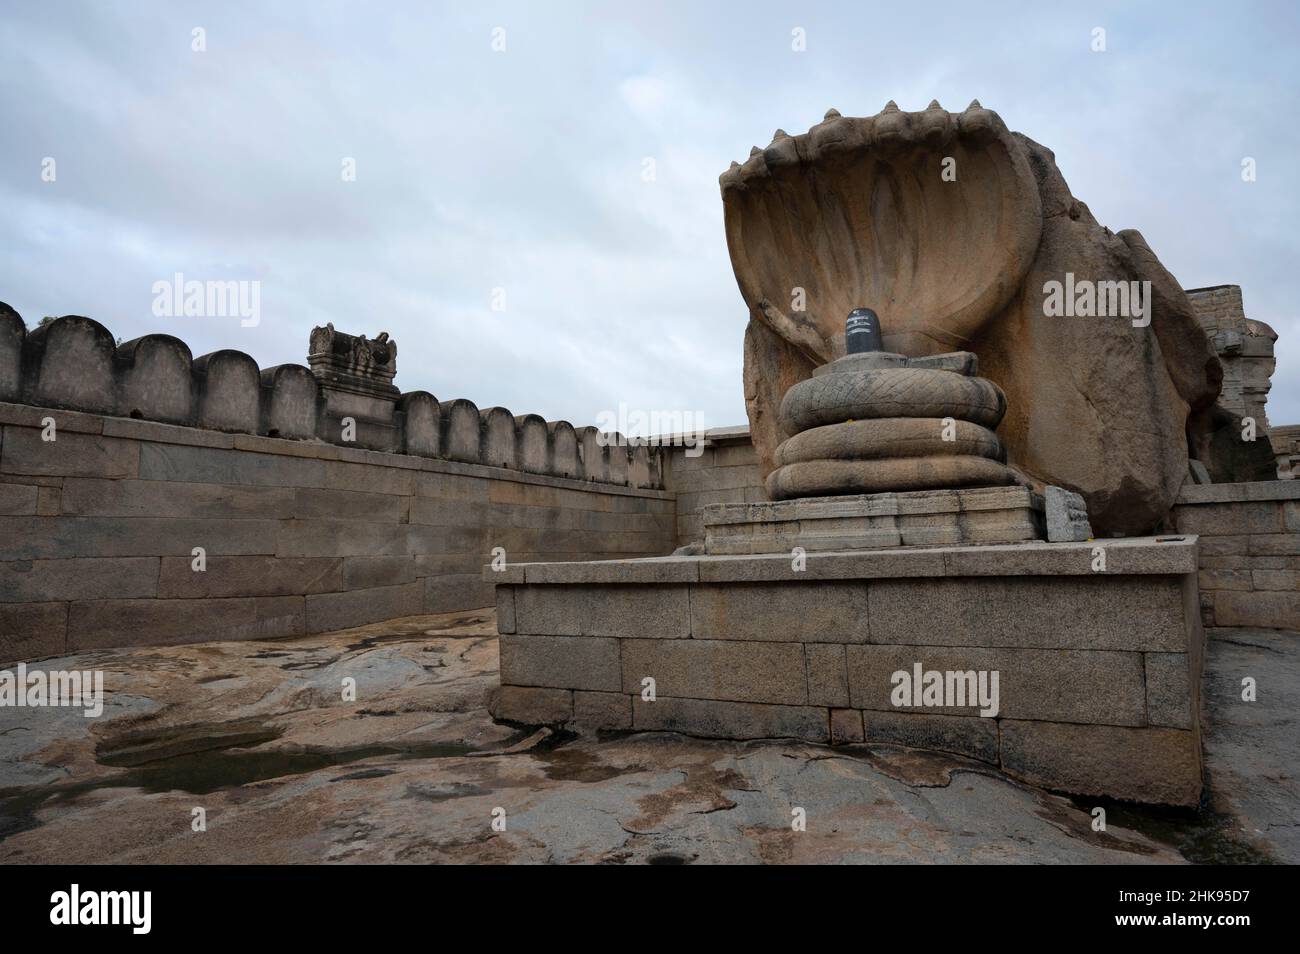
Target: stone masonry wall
(1250, 551)
(1099, 672)
(726, 472)
(98, 528)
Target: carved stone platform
(869, 521)
(1099, 670)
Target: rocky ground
(259, 736)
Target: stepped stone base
(978, 515)
(1098, 672)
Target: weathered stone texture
(96, 624)
(101, 525)
(717, 669)
(561, 662)
(784, 612)
(628, 611)
(602, 710)
(1151, 765)
(32, 630)
(329, 611)
(828, 676)
(68, 455)
(1049, 685)
(971, 736)
(1250, 551)
(1092, 612)
(36, 581)
(846, 726)
(532, 706)
(763, 652)
(730, 720)
(724, 471)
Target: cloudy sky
(522, 169)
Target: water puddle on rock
(201, 759)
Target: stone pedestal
(869, 521)
(1098, 670)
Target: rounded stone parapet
(566, 461)
(533, 439)
(617, 458)
(74, 363)
(421, 423)
(12, 333)
(639, 470)
(154, 380)
(462, 427)
(69, 363)
(228, 391)
(290, 408)
(595, 463)
(498, 447)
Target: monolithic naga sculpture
(952, 228)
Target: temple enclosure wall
(1250, 551)
(726, 471)
(98, 530)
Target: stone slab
(1146, 765)
(1147, 556)
(730, 720)
(561, 662)
(1051, 685)
(868, 521)
(1169, 687)
(602, 710)
(846, 726)
(1263, 609)
(56, 538)
(505, 609)
(90, 497)
(1232, 493)
(32, 630)
(828, 676)
(660, 612)
(1066, 515)
(532, 706)
(96, 624)
(17, 499)
(34, 581)
(330, 611)
(716, 669)
(833, 612)
(971, 736)
(1134, 613)
(70, 454)
(227, 576)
